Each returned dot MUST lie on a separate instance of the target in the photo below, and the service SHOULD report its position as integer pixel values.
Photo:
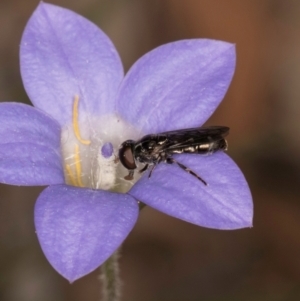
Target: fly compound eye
(126, 155)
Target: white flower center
(90, 148)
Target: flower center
(90, 150)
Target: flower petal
(225, 203)
(80, 228)
(29, 146)
(177, 85)
(63, 55)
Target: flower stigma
(90, 150)
(107, 150)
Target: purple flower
(84, 109)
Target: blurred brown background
(165, 259)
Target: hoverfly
(157, 148)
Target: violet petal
(29, 146)
(177, 85)
(225, 203)
(80, 228)
(63, 55)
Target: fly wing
(193, 136)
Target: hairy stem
(110, 277)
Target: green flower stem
(110, 277)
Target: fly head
(126, 154)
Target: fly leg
(150, 173)
(144, 168)
(171, 160)
(160, 159)
(129, 177)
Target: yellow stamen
(75, 122)
(78, 165)
(70, 174)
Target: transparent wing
(193, 136)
